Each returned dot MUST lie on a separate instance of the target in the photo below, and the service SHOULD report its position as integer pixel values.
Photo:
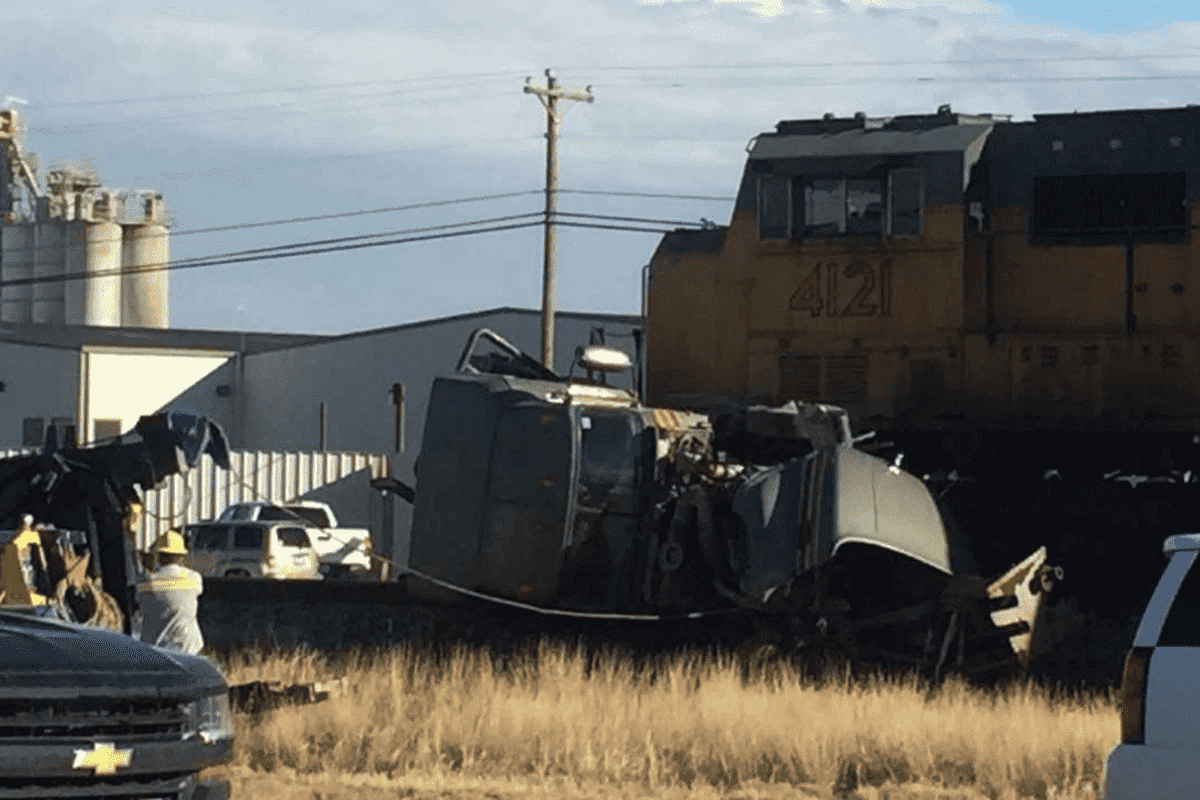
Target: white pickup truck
(344, 552)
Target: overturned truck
(568, 497)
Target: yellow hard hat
(170, 542)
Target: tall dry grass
(690, 720)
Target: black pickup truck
(90, 713)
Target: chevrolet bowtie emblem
(102, 759)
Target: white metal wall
(205, 490)
(38, 382)
(123, 383)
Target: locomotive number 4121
(858, 289)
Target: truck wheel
(670, 557)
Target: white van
(252, 549)
(1159, 753)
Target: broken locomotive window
(795, 207)
(905, 200)
(825, 207)
(774, 207)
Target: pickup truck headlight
(209, 718)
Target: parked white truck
(344, 552)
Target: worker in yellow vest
(23, 576)
(168, 596)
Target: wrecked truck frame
(567, 496)
(86, 499)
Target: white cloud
(763, 8)
(961, 6)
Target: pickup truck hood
(885, 506)
(58, 659)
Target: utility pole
(550, 95)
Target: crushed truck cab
(570, 495)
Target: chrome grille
(169, 786)
(87, 719)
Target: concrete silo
(94, 250)
(146, 250)
(49, 261)
(18, 243)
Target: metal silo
(17, 246)
(145, 252)
(94, 250)
(49, 261)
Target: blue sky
(246, 112)
(1108, 15)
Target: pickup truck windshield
(253, 512)
(314, 516)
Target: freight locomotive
(1009, 305)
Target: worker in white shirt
(168, 596)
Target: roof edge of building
(630, 319)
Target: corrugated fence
(205, 490)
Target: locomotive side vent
(837, 378)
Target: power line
(983, 80)
(365, 236)
(650, 194)
(282, 111)
(322, 217)
(361, 213)
(223, 260)
(650, 68)
(306, 87)
(275, 111)
(356, 242)
(894, 63)
(429, 204)
(570, 224)
(279, 249)
(625, 219)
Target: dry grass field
(553, 724)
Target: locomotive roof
(825, 138)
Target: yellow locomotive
(948, 273)
(1013, 306)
